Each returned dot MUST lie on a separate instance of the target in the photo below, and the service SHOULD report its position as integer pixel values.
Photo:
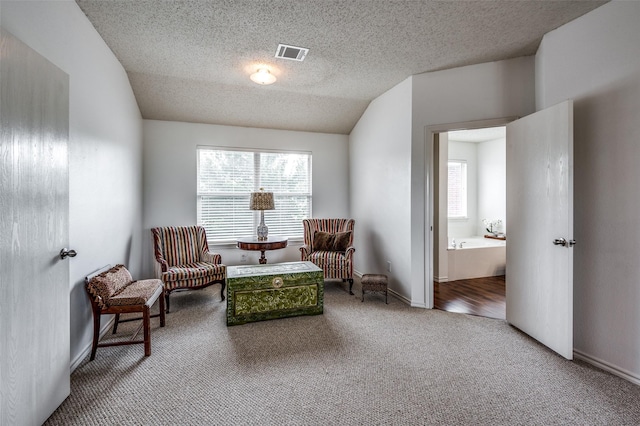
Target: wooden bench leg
(161, 307)
(96, 332)
(115, 323)
(147, 330)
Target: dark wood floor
(484, 297)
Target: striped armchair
(183, 261)
(329, 244)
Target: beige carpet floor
(357, 364)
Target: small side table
(375, 282)
(271, 243)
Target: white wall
(478, 92)
(468, 152)
(595, 60)
(105, 146)
(170, 177)
(492, 184)
(380, 152)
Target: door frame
(429, 196)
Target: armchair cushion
(194, 270)
(342, 241)
(323, 241)
(328, 259)
(326, 241)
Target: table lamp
(262, 201)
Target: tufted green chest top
(263, 292)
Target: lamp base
(263, 230)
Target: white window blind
(226, 179)
(457, 189)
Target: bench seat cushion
(142, 292)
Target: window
(226, 179)
(457, 191)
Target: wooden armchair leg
(166, 298)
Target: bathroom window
(457, 189)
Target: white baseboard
(399, 297)
(606, 366)
(87, 349)
(441, 279)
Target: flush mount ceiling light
(263, 76)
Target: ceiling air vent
(292, 53)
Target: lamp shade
(262, 201)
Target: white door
(539, 276)
(34, 211)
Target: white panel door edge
(539, 274)
(34, 207)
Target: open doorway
(469, 244)
(539, 206)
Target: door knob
(572, 243)
(67, 253)
(560, 242)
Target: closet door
(34, 212)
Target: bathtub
(478, 257)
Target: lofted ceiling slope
(190, 60)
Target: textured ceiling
(190, 60)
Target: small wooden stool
(375, 282)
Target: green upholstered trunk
(264, 292)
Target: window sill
(232, 244)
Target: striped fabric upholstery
(334, 264)
(183, 260)
(180, 245)
(325, 225)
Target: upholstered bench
(375, 282)
(112, 290)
